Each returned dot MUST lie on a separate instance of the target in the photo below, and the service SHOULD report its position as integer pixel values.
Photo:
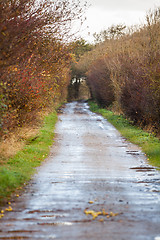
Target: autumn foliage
(124, 70)
(35, 57)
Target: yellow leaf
(9, 209)
(101, 220)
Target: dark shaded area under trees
(78, 88)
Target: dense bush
(100, 82)
(35, 57)
(124, 70)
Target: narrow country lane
(91, 167)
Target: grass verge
(18, 169)
(149, 144)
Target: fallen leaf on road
(93, 213)
(9, 209)
(101, 220)
(103, 213)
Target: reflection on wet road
(91, 171)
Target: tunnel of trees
(78, 88)
(41, 65)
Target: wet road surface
(91, 167)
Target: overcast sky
(103, 13)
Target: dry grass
(14, 141)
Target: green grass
(149, 144)
(19, 169)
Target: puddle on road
(15, 238)
(122, 146)
(57, 224)
(133, 152)
(40, 211)
(23, 231)
(47, 214)
(143, 169)
(157, 238)
(54, 216)
(24, 237)
(57, 182)
(151, 185)
(153, 181)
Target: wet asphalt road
(91, 167)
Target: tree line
(35, 47)
(123, 70)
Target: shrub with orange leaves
(35, 56)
